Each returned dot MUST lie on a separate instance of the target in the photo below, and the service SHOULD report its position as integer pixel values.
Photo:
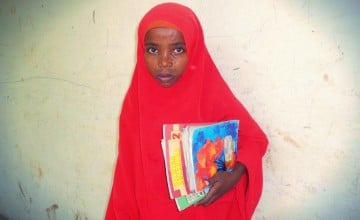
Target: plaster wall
(65, 66)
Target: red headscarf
(139, 189)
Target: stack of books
(193, 153)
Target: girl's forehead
(164, 31)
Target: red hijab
(139, 188)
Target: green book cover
(183, 202)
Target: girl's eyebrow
(180, 43)
(150, 44)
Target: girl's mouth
(165, 79)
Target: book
(182, 202)
(194, 153)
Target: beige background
(65, 65)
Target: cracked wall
(65, 66)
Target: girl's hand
(221, 183)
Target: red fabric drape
(139, 188)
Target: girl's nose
(165, 60)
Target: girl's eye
(179, 50)
(151, 50)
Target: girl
(176, 81)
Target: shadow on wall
(3, 217)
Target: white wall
(65, 65)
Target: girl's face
(165, 55)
